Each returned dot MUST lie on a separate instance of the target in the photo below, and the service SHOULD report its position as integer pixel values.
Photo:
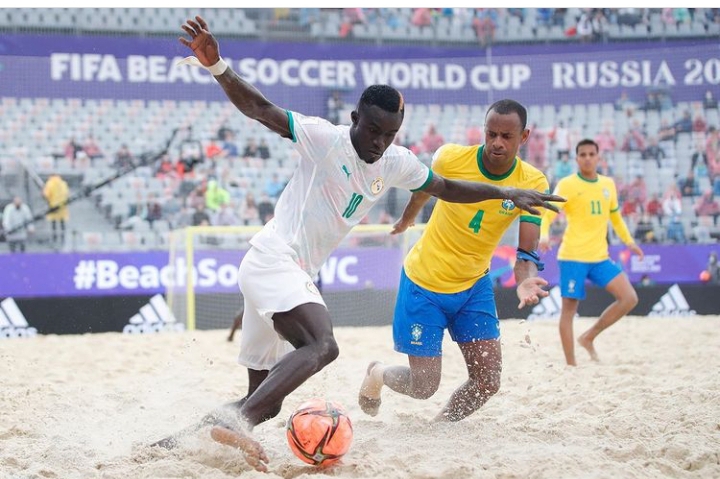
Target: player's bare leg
(625, 300)
(567, 315)
(240, 438)
(370, 390)
(237, 323)
(308, 328)
(420, 380)
(484, 364)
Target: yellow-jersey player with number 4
(445, 283)
(583, 255)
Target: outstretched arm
(529, 284)
(623, 232)
(242, 94)
(412, 209)
(458, 191)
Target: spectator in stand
(699, 161)
(631, 209)
(544, 16)
(701, 230)
(684, 124)
(712, 153)
(200, 217)
(644, 231)
(625, 104)
(536, 148)
(264, 149)
(123, 158)
(422, 17)
(584, 27)
(474, 135)
(215, 196)
(213, 151)
(652, 101)
(560, 140)
(154, 209)
(274, 186)
(688, 185)
(266, 209)
(699, 127)
(226, 216)
(709, 101)
(227, 143)
(563, 167)
(672, 203)
(335, 105)
(606, 143)
(484, 23)
(72, 148)
(249, 213)
(681, 16)
(308, 16)
(16, 222)
(634, 139)
(653, 208)
(431, 141)
(351, 17)
(637, 190)
(653, 151)
(91, 149)
(251, 149)
(707, 205)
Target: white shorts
(270, 283)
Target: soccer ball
(319, 432)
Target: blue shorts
(574, 273)
(421, 316)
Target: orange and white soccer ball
(319, 432)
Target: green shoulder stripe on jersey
(427, 182)
(616, 209)
(291, 126)
(530, 219)
(489, 175)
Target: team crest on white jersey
(312, 288)
(377, 185)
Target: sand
(87, 406)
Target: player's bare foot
(252, 450)
(588, 345)
(369, 397)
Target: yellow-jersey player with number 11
(583, 255)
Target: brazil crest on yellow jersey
(458, 243)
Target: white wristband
(219, 68)
(216, 69)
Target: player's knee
(328, 350)
(424, 392)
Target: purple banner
(298, 75)
(110, 274)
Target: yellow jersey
(457, 245)
(589, 206)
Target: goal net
(359, 279)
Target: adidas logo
(154, 317)
(548, 307)
(672, 303)
(12, 322)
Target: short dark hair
(586, 141)
(385, 97)
(507, 106)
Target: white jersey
(331, 191)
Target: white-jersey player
(287, 332)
